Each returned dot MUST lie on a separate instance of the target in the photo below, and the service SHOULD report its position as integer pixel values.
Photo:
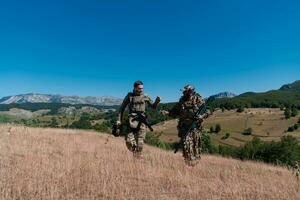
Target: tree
(82, 123)
(226, 136)
(287, 113)
(294, 112)
(291, 129)
(247, 131)
(102, 127)
(218, 128)
(240, 109)
(53, 122)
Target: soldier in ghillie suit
(137, 124)
(190, 123)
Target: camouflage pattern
(136, 105)
(189, 131)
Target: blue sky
(101, 47)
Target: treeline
(284, 152)
(86, 121)
(54, 107)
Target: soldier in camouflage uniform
(189, 131)
(136, 102)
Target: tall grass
(68, 164)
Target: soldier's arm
(122, 108)
(175, 110)
(200, 102)
(150, 102)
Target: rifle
(142, 119)
(201, 111)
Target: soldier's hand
(157, 99)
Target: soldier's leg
(130, 141)
(189, 146)
(197, 143)
(140, 137)
(182, 135)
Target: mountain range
(48, 98)
(287, 91)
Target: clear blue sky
(100, 47)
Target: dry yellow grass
(69, 164)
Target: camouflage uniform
(189, 132)
(136, 130)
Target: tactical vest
(137, 103)
(190, 106)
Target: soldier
(189, 126)
(136, 102)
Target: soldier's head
(138, 87)
(188, 90)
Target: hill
(69, 164)
(266, 123)
(288, 95)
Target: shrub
(247, 131)
(287, 113)
(291, 129)
(218, 128)
(240, 109)
(294, 112)
(101, 127)
(226, 136)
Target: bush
(218, 128)
(291, 129)
(226, 136)
(53, 122)
(206, 144)
(83, 123)
(287, 151)
(247, 131)
(227, 151)
(102, 127)
(287, 113)
(240, 110)
(294, 112)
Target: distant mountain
(292, 86)
(48, 98)
(223, 95)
